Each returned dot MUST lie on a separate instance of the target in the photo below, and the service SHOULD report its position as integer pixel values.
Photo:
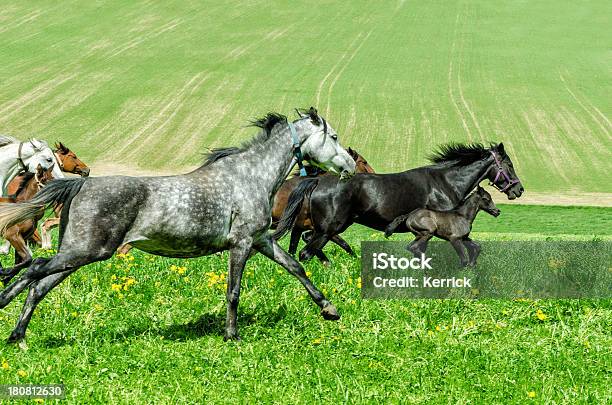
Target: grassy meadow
(147, 85)
(153, 84)
(141, 328)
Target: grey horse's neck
(469, 209)
(265, 164)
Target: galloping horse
(374, 200)
(19, 233)
(17, 156)
(223, 205)
(68, 162)
(303, 222)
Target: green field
(158, 338)
(152, 84)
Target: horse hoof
(330, 313)
(305, 256)
(234, 336)
(16, 338)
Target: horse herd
(231, 202)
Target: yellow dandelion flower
(22, 373)
(317, 341)
(438, 328)
(5, 365)
(39, 400)
(121, 296)
(531, 394)
(74, 314)
(186, 279)
(116, 287)
(98, 307)
(541, 315)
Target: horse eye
(334, 137)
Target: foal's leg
(238, 257)
(473, 249)
(272, 250)
(459, 249)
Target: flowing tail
(396, 222)
(294, 206)
(56, 192)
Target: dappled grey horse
(223, 205)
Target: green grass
(161, 339)
(154, 84)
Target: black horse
(374, 200)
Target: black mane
(266, 123)
(460, 153)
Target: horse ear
(63, 148)
(314, 115)
(500, 148)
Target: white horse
(18, 156)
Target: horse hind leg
(38, 291)
(23, 257)
(343, 244)
(5, 247)
(295, 239)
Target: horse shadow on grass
(209, 324)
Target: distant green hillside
(152, 84)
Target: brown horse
(17, 235)
(303, 222)
(68, 163)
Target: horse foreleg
(459, 249)
(238, 257)
(343, 244)
(473, 249)
(273, 251)
(45, 231)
